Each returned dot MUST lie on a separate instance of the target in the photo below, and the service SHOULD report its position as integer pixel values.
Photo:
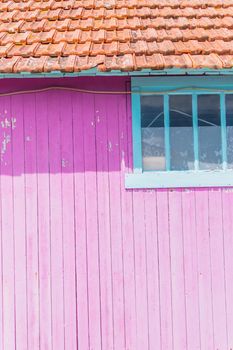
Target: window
(182, 132)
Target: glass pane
(209, 131)
(152, 124)
(229, 122)
(181, 132)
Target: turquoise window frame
(166, 86)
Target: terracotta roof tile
(73, 35)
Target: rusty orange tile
(52, 50)
(7, 39)
(74, 24)
(31, 64)
(98, 36)
(181, 61)
(22, 50)
(139, 47)
(126, 62)
(67, 63)
(166, 47)
(81, 63)
(206, 61)
(7, 64)
(8, 16)
(11, 27)
(68, 37)
(4, 49)
(84, 49)
(125, 48)
(21, 38)
(124, 35)
(36, 26)
(85, 36)
(140, 30)
(51, 64)
(227, 61)
(70, 49)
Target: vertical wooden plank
(115, 221)
(92, 222)
(104, 223)
(80, 223)
(8, 262)
(31, 221)
(125, 136)
(56, 230)
(152, 269)
(16, 121)
(227, 207)
(177, 270)
(1, 268)
(164, 270)
(44, 220)
(191, 269)
(217, 268)
(68, 220)
(204, 270)
(140, 270)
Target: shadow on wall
(61, 131)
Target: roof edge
(116, 73)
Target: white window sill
(180, 179)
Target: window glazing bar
(137, 138)
(167, 132)
(195, 131)
(223, 130)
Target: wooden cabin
(116, 175)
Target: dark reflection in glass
(181, 132)
(209, 131)
(152, 124)
(229, 123)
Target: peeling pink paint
(85, 264)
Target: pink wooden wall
(85, 264)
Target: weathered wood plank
(30, 150)
(56, 229)
(104, 224)
(44, 220)
(7, 227)
(115, 221)
(80, 224)
(217, 268)
(177, 270)
(66, 118)
(204, 269)
(191, 269)
(92, 229)
(227, 206)
(164, 270)
(17, 126)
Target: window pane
(209, 130)
(229, 122)
(181, 132)
(152, 123)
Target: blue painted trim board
(179, 179)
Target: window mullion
(195, 132)
(167, 132)
(223, 130)
(137, 137)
